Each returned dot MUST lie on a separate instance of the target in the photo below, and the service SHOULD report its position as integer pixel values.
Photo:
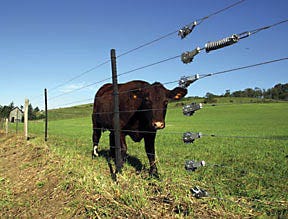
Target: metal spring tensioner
(226, 41)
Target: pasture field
(244, 147)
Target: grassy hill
(71, 112)
(244, 147)
(85, 110)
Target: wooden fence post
(116, 113)
(17, 116)
(26, 119)
(6, 126)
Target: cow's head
(155, 100)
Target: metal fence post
(116, 112)
(46, 114)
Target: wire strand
(285, 138)
(243, 67)
(201, 76)
(80, 75)
(119, 75)
(200, 20)
(266, 27)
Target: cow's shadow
(130, 160)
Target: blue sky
(44, 44)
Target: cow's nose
(158, 125)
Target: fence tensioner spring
(225, 42)
(188, 57)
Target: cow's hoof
(154, 176)
(154, 173)
(95, 152)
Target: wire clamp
(186, 30)
(189, 137)
(185, 81)
(192, 165)
(190, 109)
(199, 193)
(188, 57)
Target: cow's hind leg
(95, 137)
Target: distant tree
(11, 105)
(267, 94)
(210, 98)
(278, 92)
(258, 92)
(227, 93)
(249, 92)
(5, 110)
(238, 93)
(36, 110)
(31, 113)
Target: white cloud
(71, 87)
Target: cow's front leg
(150, 151)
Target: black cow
(142, 109)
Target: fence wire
(201, 76)
(199, 21)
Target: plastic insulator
(186, 30)
(189, 137)
(189, 110)
(184, 81)
(187, 57)
(221, 43)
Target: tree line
(33, 113)
(278, 92)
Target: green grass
(246, 173)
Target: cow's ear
(177, 93)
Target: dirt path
(32, 183)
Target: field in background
(246, 172)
